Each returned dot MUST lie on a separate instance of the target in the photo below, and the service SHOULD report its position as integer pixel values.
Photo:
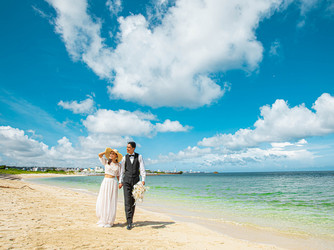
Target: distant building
(99, 170)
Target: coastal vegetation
(51, 170)
(13, 170)
(150, 172)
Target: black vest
(131, 169)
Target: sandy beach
(44, 217)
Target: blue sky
(203, 85)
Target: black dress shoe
(129, 226)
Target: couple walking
(127, 171)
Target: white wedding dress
(106, 204)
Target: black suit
(131, 177)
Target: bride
(106, 204)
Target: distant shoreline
(152, 174)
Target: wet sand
(45, 217)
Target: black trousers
(129, 201)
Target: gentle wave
(288, 201)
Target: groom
(131, 165)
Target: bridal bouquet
(138, 191)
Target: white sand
(44, 217)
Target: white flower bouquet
(138, 191)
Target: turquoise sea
(300, 203)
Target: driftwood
(10, 177)
(17, 187)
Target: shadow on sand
(153, 224)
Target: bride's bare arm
(101, 154)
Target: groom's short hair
(132, 143)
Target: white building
(99, 170)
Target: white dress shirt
(141, 168)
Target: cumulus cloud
(20, 149)
(171, 126)
(83, 107)
(95, 141)
(158, 10)
(168, 64)
(278, 154)
(106, 128)
(126, 123)
(165, 57)
(279, 123)
(119, 122)
(260, 155)
(189, 154)
(14, 143)
(278, 139)
(65, 150)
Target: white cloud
(280, 123)
(94, 142)
(307, 5)
(166, 59)
(301, 142)
(275, 49)
(280, 144)
(120, 122)
(34, 134)
(126, 123)
(115, 6)
(106, 128)
(171, 126)
(277, 140)
(278, 156)
(64, 150)
(158, 10)
(40, 12)
(19, 149)
(15, 144)
(83, 107)
(190, 154)
(169, 64)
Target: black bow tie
(131, 155)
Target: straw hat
(108, 152)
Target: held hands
(121, 184)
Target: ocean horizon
(298, 203)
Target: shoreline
(250, 233)
(35, 176)
(43, 217)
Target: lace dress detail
(112, 169)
